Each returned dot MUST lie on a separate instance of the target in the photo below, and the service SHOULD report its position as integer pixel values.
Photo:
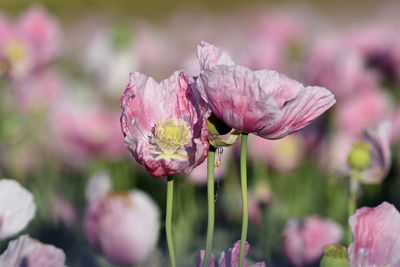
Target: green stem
(210, 193)
(243, 182)
(352, 199)
(168, 220)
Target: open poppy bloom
(164, 124)
(263, 102)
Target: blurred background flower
(65, 64)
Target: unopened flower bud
(359, 156)
(334, 256)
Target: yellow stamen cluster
(14, 51)
(170, 137)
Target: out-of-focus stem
(211, 212)
(245, 210)
(168, 220)
(352, 199)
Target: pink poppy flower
(17, 207)
(164, 124)
(304, 240)
(380, 46)
(361, 111)
(42, 32)
(230, 258)
(38, 92)
(87, 131)
(270, 40)
(26, 251)
(264, 102)
(284, 155)
(376, 237)
(335, 64)
(30, 43)
(123, 227)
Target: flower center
(14, 51)
(170, 137)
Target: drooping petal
(26, 251)
(311, 102)
(263, 102)
(376, 237)
(17, 207)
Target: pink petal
(26, 251)
(311, 102)
(210, 56)
(376, 236)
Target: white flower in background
(17, 208)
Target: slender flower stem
(243, 182)
(210, 193)
(352, 199)
(168, 220)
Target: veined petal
(311, 102)
(376, 235)
(236, 97)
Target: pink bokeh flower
(123, 227)
(26, 251)
(17, 207)
(361, 111)
(87, 131)
(264, 102)
(334, 64)
(30, 43)
(376, 237)
(164, 124)
(230, 258)
(283, 155)
(38, 92)
(270, 40)
(303, 240)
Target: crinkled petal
(311, 102)
(376, 237)
(17, 207)
(236, 97)
(26, 251)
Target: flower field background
(71, 133)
